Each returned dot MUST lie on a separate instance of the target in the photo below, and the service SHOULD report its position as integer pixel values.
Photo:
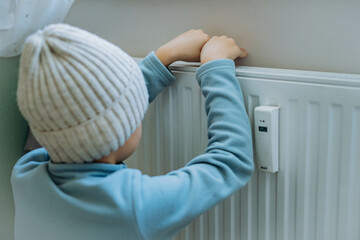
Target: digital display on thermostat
(262, 129)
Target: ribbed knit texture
(82, 96)
(111, 202)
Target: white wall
(298, 34)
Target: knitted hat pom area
(82, 96)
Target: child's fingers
(243, 53)
(205, 37)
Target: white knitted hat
(82, 96)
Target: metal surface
(316, 193)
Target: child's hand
(185, 47)
(219, 48)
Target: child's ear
(31, 143)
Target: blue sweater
(105, 201)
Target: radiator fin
(316, 193)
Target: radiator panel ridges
(316, 193)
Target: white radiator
(316, 193)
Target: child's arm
(165, 204)
(185, 47)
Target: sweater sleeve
(166, 204)
(156, 75)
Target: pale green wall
(12, 137)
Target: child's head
(82, 96)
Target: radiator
(316, 193)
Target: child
(84, 99)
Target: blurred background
(320, 35)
